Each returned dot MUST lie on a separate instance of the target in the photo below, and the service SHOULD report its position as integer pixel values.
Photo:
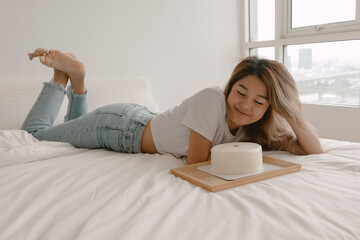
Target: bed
(51, 190)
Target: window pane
(262, 20)
(326, 72)
(265, 52)
(310, 12)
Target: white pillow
(17, 97)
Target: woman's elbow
(318, 150)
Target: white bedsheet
(51, 190)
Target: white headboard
(17, 97)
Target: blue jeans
(118, 127)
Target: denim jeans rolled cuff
(46, 107)
(77, 106)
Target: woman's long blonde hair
(272, 128)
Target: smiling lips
(242, 113)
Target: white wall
(181, 46)
(335, 122)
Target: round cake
(236, 158)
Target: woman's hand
(199, 148)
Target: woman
(260, 104)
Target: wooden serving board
(215, 184)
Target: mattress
(51, 190)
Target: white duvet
(52, 190)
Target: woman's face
(247, 102)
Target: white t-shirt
(204, 113)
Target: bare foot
(64, 62)
(42, 51)
(37, 53)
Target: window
(319, 42)
(326, 72)
(312, 13)
(262, 20)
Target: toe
(42, 59)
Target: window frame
(341, 27)
(284, 35)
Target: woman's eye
(260, 103)
(241, 93)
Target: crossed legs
(45, 109)
(117, 127)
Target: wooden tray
(215, 184)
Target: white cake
(236, 158)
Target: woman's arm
(199, 148)
(306, 141)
